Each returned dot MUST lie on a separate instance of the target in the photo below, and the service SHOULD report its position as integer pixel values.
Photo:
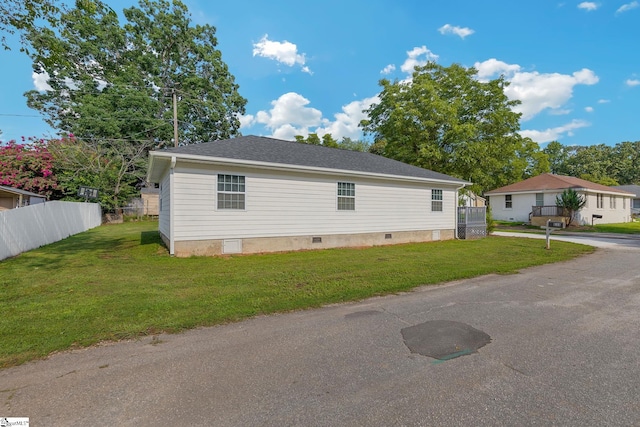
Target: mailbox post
(595, 216)
(552, 225)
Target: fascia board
(287, 167)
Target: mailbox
(595, 216)
(556, 224)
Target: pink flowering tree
(28, 166)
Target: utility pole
(175, 118)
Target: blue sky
(313, 66)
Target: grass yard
(118, 281)
(626, 228)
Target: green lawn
(626, 228)
(118, 281)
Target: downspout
(171, 204)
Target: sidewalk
(556, 232)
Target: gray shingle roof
(270, 150)
(635, 189)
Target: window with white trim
(612, 202)
(600, 201)
(539, 199)
(508, 201)
(346, 196)
(436, 200)
(231, 192)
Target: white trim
(172, 207)
(288, 167)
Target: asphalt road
(564, 350)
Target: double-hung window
(436, 200)
(346, 196)
(612, 202)
(600, 200)
(231, 192)
(508, 201)
(539, 199)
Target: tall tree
(447, 120)
(22, 15)
(558, 155)
(118, 80)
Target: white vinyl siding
(164, 218)
(281, 203)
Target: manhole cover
(444, 339)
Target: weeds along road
(563, 350)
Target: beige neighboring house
(534, 201)
(150, 201)
(11, 198)
(635, 203)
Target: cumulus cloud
(41, 81)
(283, 52)
(632, 82)
(537, 91)
(418, 56)
(388, 69)
(291, 115)
(246, 120)
(462, 32)
(346, 123)
(627, 7)
(588, 109)
(554, 134)
(492, 67)
(588, 6)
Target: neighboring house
(635, 203)
(150, 201)
(11, 198)
(471, 199)
(535, 199)
(255, 194)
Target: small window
(346, 196)
(539, 199)
(436, 200)
(600, 200)
(612, 202)
(624, 203)
(508, 203)
(231, 192)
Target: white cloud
(290, 115)
(560, 112)
(346, 123)
(588, 109)
(290, 109)
(554, 134)
(418, 56)
(603, 101)
(41, 81)
(588, 6)
(537, 91)
(628, 6)
(632, 82)
(388, 69)
(462, 32)
(283, 52)
(492, 67)
(246, 120)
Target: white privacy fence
(33, 226)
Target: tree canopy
(603, 164)
(327, 140)
(447, 120)
(118, 80)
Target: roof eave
(289, 167)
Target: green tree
(22, 15)
(347, 143)
(572, 202)
(557, 155)
(28, 166)
(118, 80)
(447, 120)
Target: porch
(541, 214)
(472, 222)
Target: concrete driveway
(564, 350)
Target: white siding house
(518, 202)
(254, 194)
(635, 190)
